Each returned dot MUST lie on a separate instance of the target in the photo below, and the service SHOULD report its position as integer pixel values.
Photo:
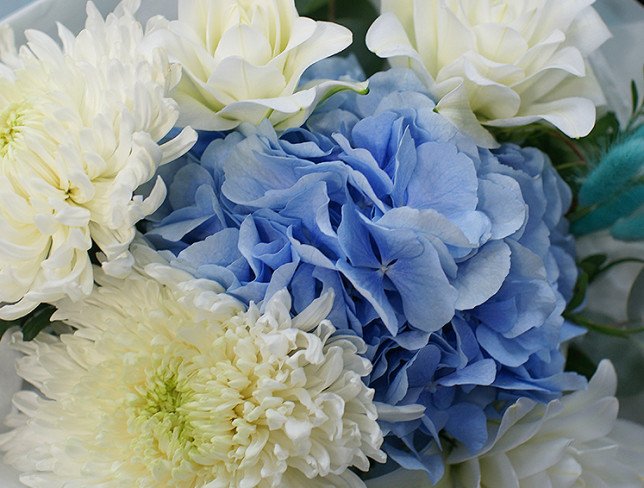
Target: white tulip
(498, 63)
(243, 60)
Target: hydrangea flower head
(189, 389)
(446, 258)
(80, 129)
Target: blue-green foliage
(630, 228)
(613, 193)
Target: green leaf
(579, 362)
(5, 325)
(36, 322)
(592, 265)
(308, 7)
(357, 16)
(635, 304)
(638, 108)
(602, 136)
(580, 291)
(635, 97)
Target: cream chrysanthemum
(169, 382)
(80, 130)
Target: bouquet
(236, 252)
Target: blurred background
(8, 6)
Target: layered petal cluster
(452, 262)
(243, 60)
(498, 63)
(166, 381)
(574, 442)
(81, 127)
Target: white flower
(243, 60)
(167, 381)
(8, 51)
(500, 63)
(574, 442)
(567, 443)
(80, 130)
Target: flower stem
(332, 13)
(618, 330)
(573, 147)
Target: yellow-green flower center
(162, 407)
(11, 124)
(195, 415)
(165, 398)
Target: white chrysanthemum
(500, 63)
(80, 130)
(168, 382)
(574, 442)
(8, 52)
(243, 60)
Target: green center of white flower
(164, 404)
(12, 122)
(189, 416)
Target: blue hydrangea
(451, 261)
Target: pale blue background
(71, 13)
(8, 6)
